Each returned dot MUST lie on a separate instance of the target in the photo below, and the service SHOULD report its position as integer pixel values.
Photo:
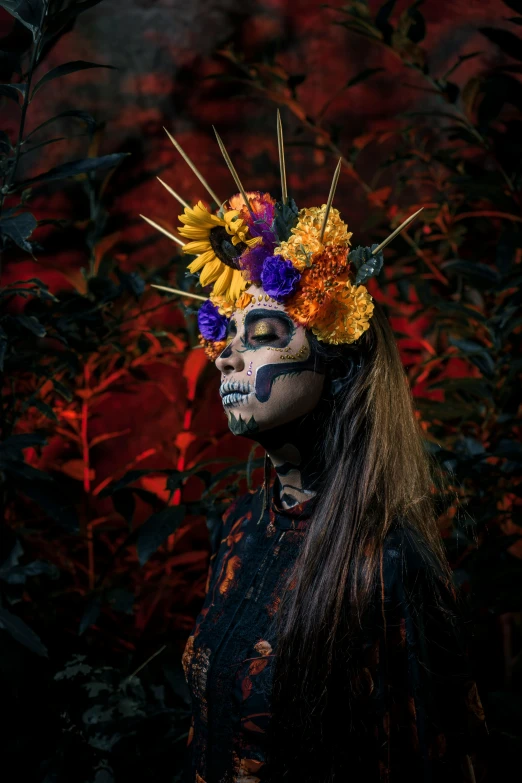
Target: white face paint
(269, 374)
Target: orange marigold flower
(316, 281)
(335, 310)
(212, 348)
(348, 315)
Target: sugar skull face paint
(270, 374)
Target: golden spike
(397, 231)
(173, 193)
(331, 195)
(281, 149)
(194, 169)
(164, 231)
(179, 292)
(233, 172)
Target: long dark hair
(377, 474)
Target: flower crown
(301, 258)
(284, 251)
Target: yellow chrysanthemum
(347, 316)
(223, 305)
(304, 242)
(218, 243)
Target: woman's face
(269, 374)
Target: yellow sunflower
(218, 244)
(304, 242)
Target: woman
(328, 647)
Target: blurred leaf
(5, 142)
(477, 273)
(478, 354)
(516, 5)
(460, 59)
(18, 574)
(295, 80)
(64, 70)
(28, 12)
(121, 600)
(19, 228)
(132, 282)
(50, 497)
(417, 28)
(74, 168)
(21, 632)
(509, 448)
(64, 17)
(13, 445)
(32, 324)
(45, 409)
(91, 613)
(451, 91)
(124, 503)
(129, 478)
(476, 387)
(84, 117)
(39, 289)
(469, 447)
(45, 143)
(10, 91)
(507, 41)
(156, 529)
(22, 470)
(382, 20)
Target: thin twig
(142, 666)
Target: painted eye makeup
(274, 329)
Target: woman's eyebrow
(261, 315)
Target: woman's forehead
(260, 301)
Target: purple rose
(212, 325)
(279, 278)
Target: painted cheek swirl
(267, 374)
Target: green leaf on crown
(285, 219)
(366, 264)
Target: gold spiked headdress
(302, 258)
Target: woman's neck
(295, 450)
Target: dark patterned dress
(423, 706)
